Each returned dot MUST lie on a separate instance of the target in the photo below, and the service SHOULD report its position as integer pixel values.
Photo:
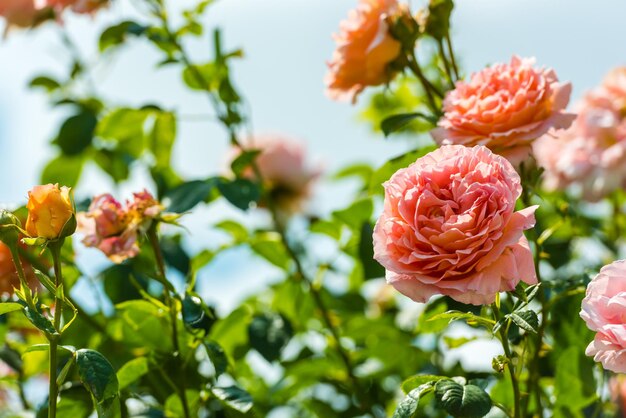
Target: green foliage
(460, 400)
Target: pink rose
(283, 166)
(144, 206)
(505, 107)
(592, 152)
(604, 310)
(449, 227)
(365, 48)
(77, 6)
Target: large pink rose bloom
(505, 107)
(604, 311)
(449, 227)
(591, 154)
(365, 48)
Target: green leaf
(142, 324)
(572, 370)
(117, 34)
(217, 356)
(187, 195)
(269, 334)
(7, 307)
(174, 406)
(234, 397)
(74, 402)
(468, 317)
(356, 214)
(270, 246)
(385, 172)
(467, 401)
(124, 128)
(39, 321)
(371, 268)
(204, 77)
(243, 161)
(162, 138)
(240, 192)
(235, 229)
(76, 133)
(132, 371)
(407, 407)
(115, 164)
(47, 83)
(526, 320)
(64, 170)
(418, 380)
(330, 228)
(396, 122)
(97, 374)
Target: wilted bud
(9, 228)
(50, 212)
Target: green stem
(451, 53)
(171, 303)
(446, 63)
(55, 249)
(429, 89)
(509, 355)
(20, 273)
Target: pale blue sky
(286, 44)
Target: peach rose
(283, 166)
(77, 6)
(50, 208)
(505, 107)
(113, 228)
(365, 48)
(449, 227)
(604, 310)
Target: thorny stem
(55, 249)
(507, 352)
(171, 302)
(534, 375)
(199, 78)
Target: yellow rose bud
(49, 210)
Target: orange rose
(49, 209)
(365, 48)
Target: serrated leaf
(407, 407)
(234, 397)
(467, 401)
(526, 320)
(97, 374)
(468, 317)
(240, 192)
(217, 356)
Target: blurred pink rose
(21, 13)
(77, 6)
(449, 227)
(114, 229)
(604, 311)
(505, 107)
(592, 152)
(283, 165)
(365, 48)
